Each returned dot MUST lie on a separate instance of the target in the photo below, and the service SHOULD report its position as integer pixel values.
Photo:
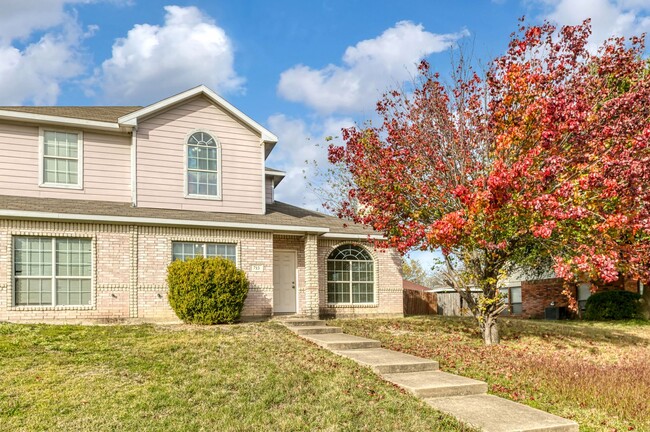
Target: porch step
(342, 341)
(306, 322)
(494, 414)
(436, 384)
(309, 330)
(385, 361)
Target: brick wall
(130, 270)
(537, 295)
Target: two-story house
(95, 202)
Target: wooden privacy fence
(451, 304)
(420, 303)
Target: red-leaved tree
(544, 157)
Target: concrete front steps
(461, 397)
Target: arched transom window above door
(350, 276)
(203, 176)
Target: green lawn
(595, 373)
(249, 377)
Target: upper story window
(61, 159)
(203, 166)
(350, 275)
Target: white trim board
(21, 214)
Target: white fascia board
(277, 176)
(57, 120)
(131, 119)
(332, 235)
(20, 214)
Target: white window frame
(186, 193)
(351, 303)
(53, 276)
(204, 246)
(41, 159)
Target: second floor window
(61, 159)
(203, 154)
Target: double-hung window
(188, 250)
(50, 271)
(62, 159)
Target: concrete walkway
(461, 397)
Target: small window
(512, 299)
(515, 300)
(350, 275)
(203, 161)
(584, 292)
(52, 271)
(188, 250)
(62, 159)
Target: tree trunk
(490, 330)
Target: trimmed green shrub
(206, 290)
(613, 305)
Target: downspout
(263, 150)
(134, 164)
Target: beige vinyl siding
(106, 165)
(161, 160)
(269, 190)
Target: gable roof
(94, 113)
(279, 216)
(131, 119)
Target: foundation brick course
(130, 267)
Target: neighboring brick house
(95, 202)
(530, 298)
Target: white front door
(284, 281)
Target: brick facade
(130, 262)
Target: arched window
(350, 275)
(203, 160)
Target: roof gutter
(21, 214)
(334, 235)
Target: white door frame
(295, 276)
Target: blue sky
(302, 68)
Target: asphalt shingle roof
(96, 113)
(276, 214)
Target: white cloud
(34, 73)
(153, 61)
(300, 144)
(369, 68)
(608, 17)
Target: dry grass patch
(250, 377)
(595, 373)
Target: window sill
(51, 308)
(204, 197)
(61, 186)
(352, 305)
